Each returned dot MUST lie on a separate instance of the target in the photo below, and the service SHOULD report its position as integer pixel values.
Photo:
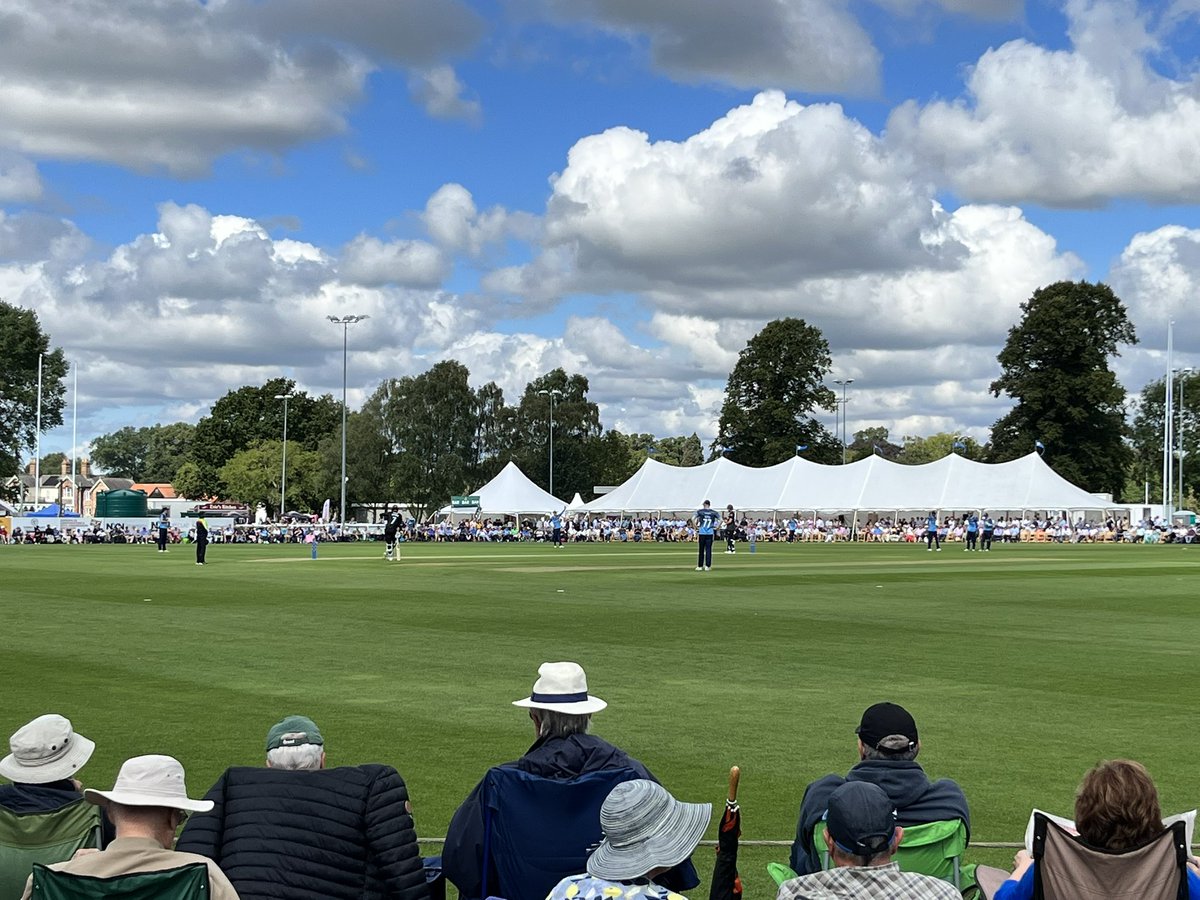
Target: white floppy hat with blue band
(562, 687)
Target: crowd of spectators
(624, 529)
(574, 818)
(799, 530)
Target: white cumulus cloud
(1073, 127)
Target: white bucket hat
(45, 750)
(149, 781)
(645, 828)
(562, 687)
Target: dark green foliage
(249, 415)
(21, 341)
(1147, 437)
(152, 454)
(772, 392)
(1055, 365)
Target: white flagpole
(74, 433)
(37, 443)
(1168, 469)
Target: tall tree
(1055, 365)
(576, 428)
(152, 454)
(681, 451)
(1147, 438)
(253, 476)
(21, 342)
(918, 450)
(872, 441)
(430, 423)
(772, 392)
(250, 414)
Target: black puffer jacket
(334, 833)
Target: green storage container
(121, 505)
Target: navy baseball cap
(861, 818)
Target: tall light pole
(1183, 375)
(283, 470)
(345, 322)
(1168, 481)
(552, 393)
(844, 382)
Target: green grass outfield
(1022, 667)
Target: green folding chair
(188, 882)
(934, 848)
(43, 837)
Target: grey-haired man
(888, 745)
(147, 804)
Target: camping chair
(189, 882)
(933, 848)
(537, 831)
(1067, 868)
(43, 837)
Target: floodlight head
(284, 396)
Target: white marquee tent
(872, 484)
(511, 493)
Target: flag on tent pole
(800, 448)
(1039, 446)
(959, 445)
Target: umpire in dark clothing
(887, 750)
(310, 833)
(561, 710)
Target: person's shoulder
(929, 888)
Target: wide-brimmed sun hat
(562, 687)
(645, 828)
(149, 781)
(45, 750)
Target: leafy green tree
(872, 441)
(189, 482)
(772, 392)
(21, 342)
(918, 450)
(1147, 438)
(1055, 365)
(252, 476)
(52, 463)
(250, 415)
(681, 451)
(430, 424)
(576, 428)
(151, 454)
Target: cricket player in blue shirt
(707, 520)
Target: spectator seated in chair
(888, 745)
(646, 833)
(297, 830)
(861, 834)
(1116, 810)
(147, 804)
(561, 710)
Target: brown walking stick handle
(734, 775)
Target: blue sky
(625, 188)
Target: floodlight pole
(1168, 481)
(1183, 375)
(283, 469)
(844, 384)
(37, 443)
(552, 393)
(345, 322)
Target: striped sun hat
(645, 828)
